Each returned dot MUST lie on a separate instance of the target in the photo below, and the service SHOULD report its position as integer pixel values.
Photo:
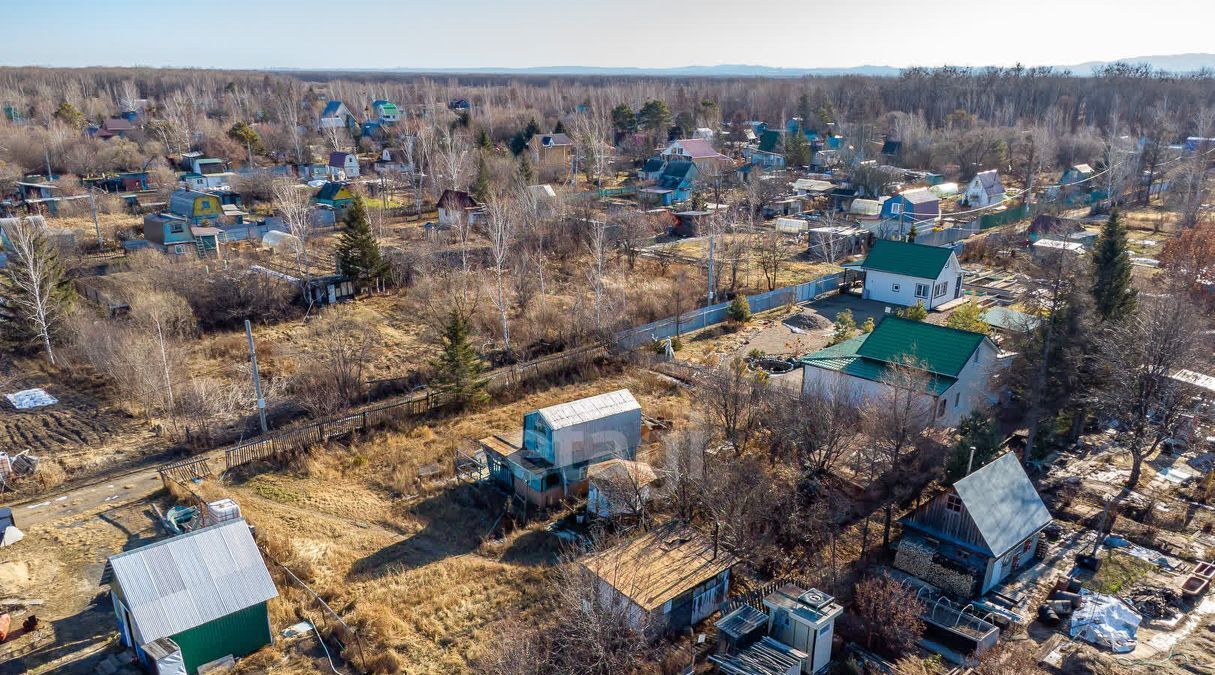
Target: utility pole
(711, 287)
(96, 225)
(257, 380)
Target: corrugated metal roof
(936, 349)
(741, 621)
(766, 657)
(1003, 504)
(587, 409)
(179, 583)
(907, 258)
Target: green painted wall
(238, 634)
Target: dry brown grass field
(407, 562)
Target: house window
(957, 399)
(177, 228)
(896, 288)
(940, 289)
(921, 290)
(896, 208)
(953, 503)
(941, 408)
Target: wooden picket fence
(186, 470)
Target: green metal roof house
(953, 367)
(902, 273)
(200, 597)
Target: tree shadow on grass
(535, 548)
(456, 521)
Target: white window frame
(896, 288)
(940, 290)
(896, 208)
(953, 503)
(921, 294)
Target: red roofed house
(698, 150)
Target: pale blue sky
(645, 33)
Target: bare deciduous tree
(34, 296)
(735, 403)
(335, 377)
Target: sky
(420, 34)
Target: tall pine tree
(358, 253)
(480, 187)
(458, 368)
(1113, 297)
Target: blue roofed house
(769, 153)
(674, 184)
(652, 169)
(337, 115)
(974, 535)
(905, 274)
(547, 460)
(955, 371)
(911, 208)
(193, 600)
(1076, 173)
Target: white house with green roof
(902, 273)
(955, 369)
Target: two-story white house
(954, 370)
(343, 165)
(902, 273)
(985, 189)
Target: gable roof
(660, 565)
(697, 148)
(845, 358)
(677, 170)
(456, 199)
(1003, 503)
(333, 108)
(653, 165)
(989, 181)
(183, 582)
(936, 349)
(573, 413)
(333, 190)
(338, 159)
(909, 259)
(919, 196)
(551, 140)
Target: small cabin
(974, 535)
(665, 580)
(548, 460)
(193, 601)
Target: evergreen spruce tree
(483, 141)
(1113, 297)
(739, 310)
(526, 174)
(358, 253)
(560, 128)
(977, 431)
(480, 187)
(458, 368)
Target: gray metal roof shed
(1003, 503)
(177, 584)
